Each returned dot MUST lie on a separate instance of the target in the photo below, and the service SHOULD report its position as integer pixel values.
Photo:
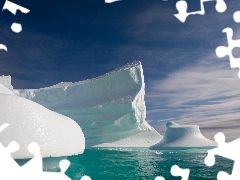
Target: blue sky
(77, 40)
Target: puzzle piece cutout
(111, 1)
(16, 27)
(182, 7)
(3, 126)
(5, 154)
(222, 51)
(86, 178)
(3, 47)
(177, 171)
(236, 16)
(9, 168)
(228, 150)
(12, 7)
(7, 163)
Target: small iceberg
(183, 136)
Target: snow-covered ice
(5, 85)
(4, 90)
(6, 81)
(57, 135)
(110, 109)
(182, 136)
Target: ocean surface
(142, 163)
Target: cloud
(205, 93)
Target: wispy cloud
(206, 93)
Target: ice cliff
(110, 109)
(182, 136)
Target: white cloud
(205, 93)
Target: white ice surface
(181, 136)
(57, 135)
(6, 81)
(110, 109)
(135, 139)
(5, 90)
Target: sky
(70, 41)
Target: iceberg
(57, 135)
(4, 90)
(6, 81)
(183, 136)
(5, 85)
(110, 109)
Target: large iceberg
(183, 136)
(110, 109)
(57, 135)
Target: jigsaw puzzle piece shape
(12, 7)
(210, 159)
(177, 171)
(181, 7)
(34, 165)
(53, 175)
(7, 163)
(64, 164)
(223, 176)
(236, 16)
(221, 6)
(88, 178)
(227, 150)
(5, 125)
(13, 147)
(159, 178)
(111, 1)
(3, 47)
(222, 51)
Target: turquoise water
(141, 164)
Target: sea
(143, 164)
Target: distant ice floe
(183, 136)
